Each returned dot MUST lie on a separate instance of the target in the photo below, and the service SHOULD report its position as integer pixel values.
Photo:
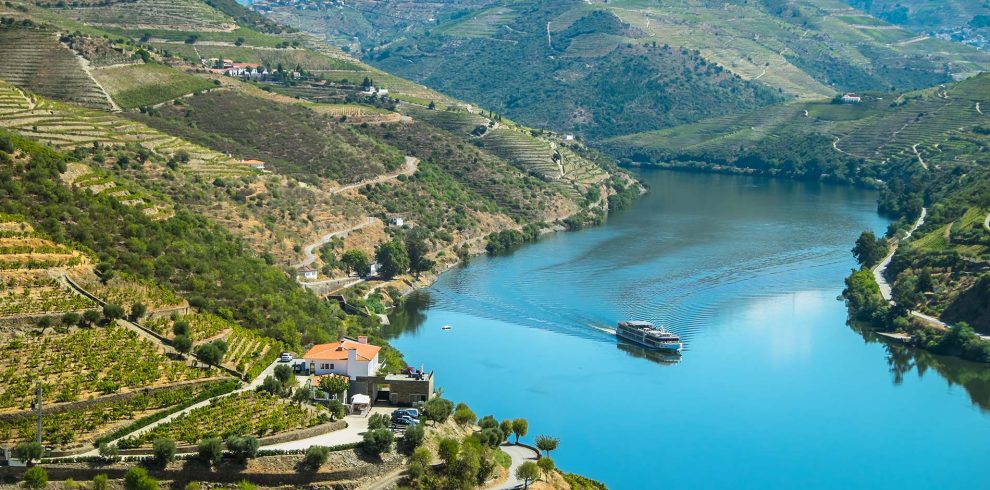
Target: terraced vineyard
(202, 326)
(528, 152)
(84, 424)
(125, 290)
(142, 85)
(178, 15)
(33, 58)
(29, 269)
(65, 128)
(84, 363)
(250, 412)
(461, 122)
(249, 352)
(81, 176)
(482, 24)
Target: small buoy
(446, 327)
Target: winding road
(878, 271)
(519, 455)
(311, 248)
(410, 167)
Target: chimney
(363, 339)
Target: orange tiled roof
(337, 351)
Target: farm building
(407, 388)
(851, 99)
(255, 164)
(396, 221)
(306, 273)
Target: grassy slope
(147, 84)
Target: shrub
(438, 410)
(210, 450)
(377, 441)
(100, 482)
(316, 456)
(28, 451)
(137, 478)
(36, 477)
(108, 452)
(447, 449)
(465, 416)
(163, 451)
(413, 437)
(379, 421)
(243, 447)
(336, 409)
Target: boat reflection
(659, 357)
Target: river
(773, 390)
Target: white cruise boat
(648, 335)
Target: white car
(286, 357)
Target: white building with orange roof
(348, 357)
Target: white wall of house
(351, 367)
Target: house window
(324, 365)
(331, 366)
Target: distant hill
(613, 68)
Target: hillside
(614, 68)
(966, 22)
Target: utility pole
(39, 412)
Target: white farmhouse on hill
(351, 358)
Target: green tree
(243, 447)
(422, 456)
(356, 261)
(71, 318)
(547, 443)
(112, 312)
(520, 427)
(506, 428)
(36, 477)
(284, 375)
(91, 317)
(108, 452)
(528, 472)
(392, 258)
(29, 451)
(210, 450)
(212, 353)
(272, 385)
(377, 441)
(413, 437)
(105, 271)
(464, 416)
(438, 410)
(182, 344)
(163, 451)
(138, 310)
(302, 395)
(336, 408)
(869, 250)
(334, 385)
(546, 466)
(180, 327)
(417, 248)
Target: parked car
(286, 357)
(404, 420)
(410, 412)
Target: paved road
(412, 164)
(519, 454)
(879, 270)
(354, 432)
(310, 249)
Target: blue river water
(774, 388)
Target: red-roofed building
(351, 358)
